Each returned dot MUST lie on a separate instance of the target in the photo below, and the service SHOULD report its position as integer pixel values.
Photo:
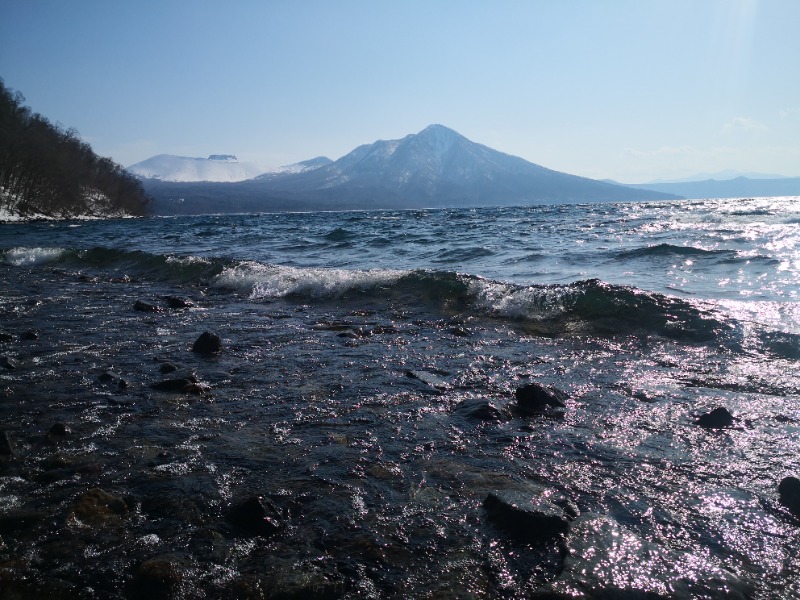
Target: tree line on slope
(48, 170)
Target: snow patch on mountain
(167, 167)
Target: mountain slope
(167, 167)
(434, 168)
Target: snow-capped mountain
(217, 167)
(436, 167)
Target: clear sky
(632, 90)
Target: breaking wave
(589, 306)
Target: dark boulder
(30, 335)
(177, 302)
(187, 383)
(156, 578)
(479, 409)
(528, 519)
(789, 494)
(60, 429)
(719, 418)
(143, 306)
(207, 343)
(256, 516)
(535, 397)
(167, 368)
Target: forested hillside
(48, 170)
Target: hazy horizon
(628, 91)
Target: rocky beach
(199, 424)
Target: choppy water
(366, 387)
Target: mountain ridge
(437, 167)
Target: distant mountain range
(436, 167)
(738, 187)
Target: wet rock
(719, 418)
(59, 429)
(256, 516)
(156, 578)
(526, 518)
(6, 444)
(184, 384)
(111, 377)
(167, 368)
(789, 494)
(108, 375)
(143, 306)
(535, 397)
(30, 335)
(459, 331)
(207, 343)
(177, 302)
(479, 410)
(431, 379)
(8, 362)
(17, 521)
(98, 505)
(609, 561)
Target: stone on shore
(479, 409)
(208, 343)
(184, 384)
(535, 397)
(789, 494)
(256, 517)
(719, 418)
(177, 302)
(98, 505)
(529, 519)
(143, 306)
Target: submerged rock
(159, 577)
(535, 397)
(526, 518)
(6, 444)
(167, 368)
(256, 517)
(480, 410)
(207, 343)
(98, 505)
(177, 302)
(143, 306)
(8, 362)
(187, 383)
(719, 418)
(789, 494)
(60, 429)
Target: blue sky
(633, 90)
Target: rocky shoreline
(298, 452)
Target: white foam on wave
(264, 282)
(516, 302)
(23, 257)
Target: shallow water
(357, 348)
